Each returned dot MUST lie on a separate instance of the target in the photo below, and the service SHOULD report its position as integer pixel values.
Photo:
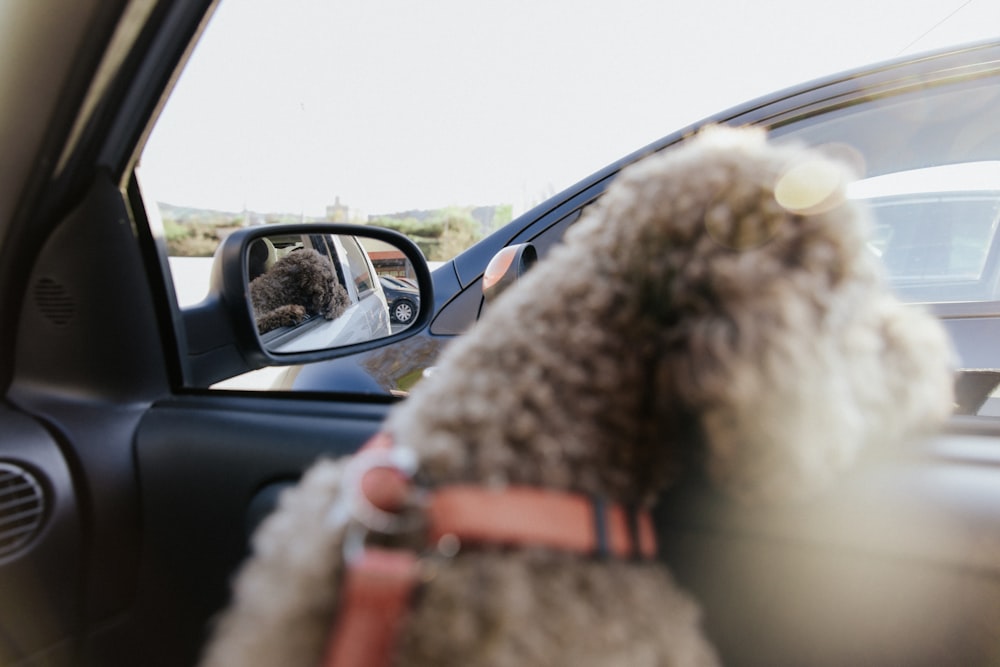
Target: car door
(127, 493)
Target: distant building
(387, 260)
(337, 212)
(391, 263)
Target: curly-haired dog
(300, 284)
(717, 311)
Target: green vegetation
(441, 237)
(441, 234)
(192, 232)
(190, 240)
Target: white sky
(397, 104)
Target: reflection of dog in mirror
(716, 315)
(300, 284)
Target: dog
(717, 314)
(300, 284)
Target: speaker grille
(22, 508)
(54, 302)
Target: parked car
(128, 486)
(403, 298)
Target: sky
(391, 105)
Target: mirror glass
(317, 291)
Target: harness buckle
(376, 491)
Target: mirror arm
(216, 350)
(211, 351)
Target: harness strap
(376, 594)
(379, 584)
(527, 516)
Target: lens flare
(810, 187)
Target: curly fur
(711, 331)
(300, 284)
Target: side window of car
(360, 267)
(929, 163)
(286, 112)
(935, 229)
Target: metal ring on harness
(359, 513)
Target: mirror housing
(506, 268)
(226, 337)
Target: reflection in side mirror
(319, 291)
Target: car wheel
(402, 311)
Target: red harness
(379, 582)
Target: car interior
(129, 489)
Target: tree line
(440, 234)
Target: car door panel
(210, 468)
(39, 528)
(898, 566)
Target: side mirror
(295, 293)
(506, 268)
(315, 291)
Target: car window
(929, 162)
(361, 270)
(382, 126)
(284, 113)
(935, 228)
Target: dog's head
(718, 307)
(304, 279)
(767, 314)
